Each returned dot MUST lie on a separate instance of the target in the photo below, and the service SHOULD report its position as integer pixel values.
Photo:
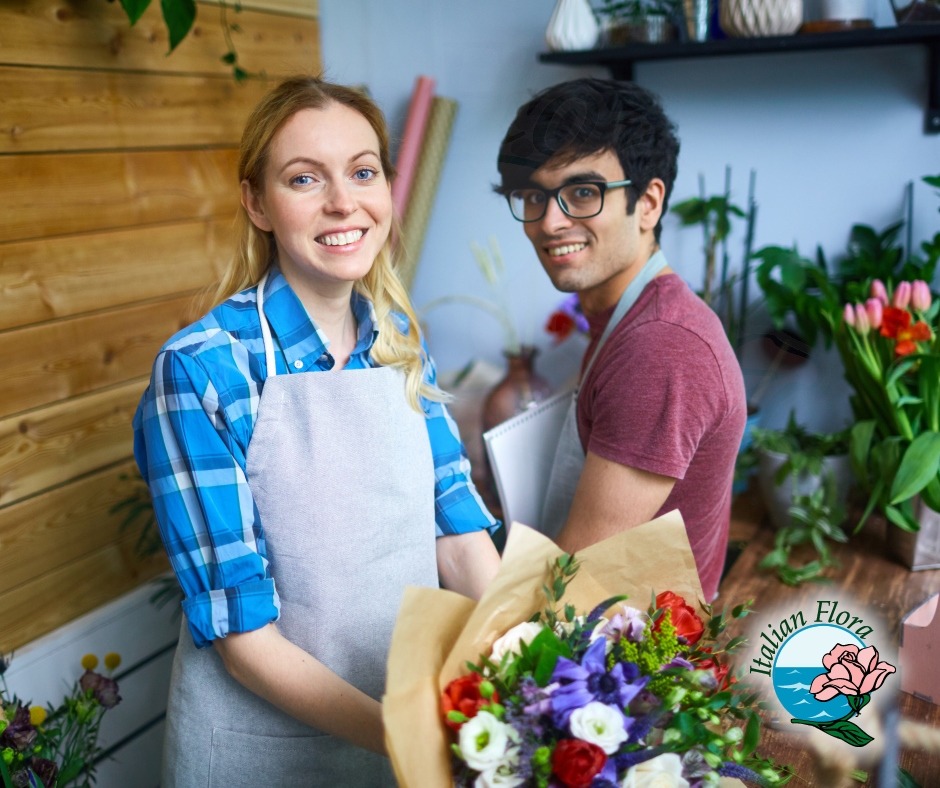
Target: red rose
(463, 695)
(576, 762)
(720, 669)
(559, 325)
(686, 621)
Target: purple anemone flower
(591, 681)
(679, 662)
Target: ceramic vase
(919, 549)
(519, 390)
(755, 18)
(571, 26)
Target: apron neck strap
(647, 273)
(266, 330)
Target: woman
(299, 454)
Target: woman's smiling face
(325, 198)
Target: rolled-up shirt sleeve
(458, 507)
(207, 517)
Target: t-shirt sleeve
(655, 392)
(204, 509)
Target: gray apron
(569, 455)
(341, 471)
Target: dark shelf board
(620, 60)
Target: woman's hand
(269, 665)
(467, 563)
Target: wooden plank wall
(117, 176)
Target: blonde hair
(255, 248)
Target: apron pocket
(246, 760)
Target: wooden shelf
(620, 60)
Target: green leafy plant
(635, 10)
(56, 746)
(805, 450)
(812, 292)
(715, 214)
(179, 17)
(815, 516)
(815, 520)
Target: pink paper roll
(418, 111)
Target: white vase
(779, 497)
(572, 26)
(755, 18)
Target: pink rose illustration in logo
(852, 672)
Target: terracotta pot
(519, 390)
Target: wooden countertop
(869, 576)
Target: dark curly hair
(587, 116)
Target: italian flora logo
(823, 672)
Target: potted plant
(891, 351)
(794, 461)
(648, 21)
(804, 478)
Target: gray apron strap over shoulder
(569, 455)
(340, 469)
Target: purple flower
(629, 623)
(591, 681)
(679, 662)
(571, 306)
(104, 689)
(20, 733)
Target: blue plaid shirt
(191, 435)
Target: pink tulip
(848, 315)
(902, 295)
(878, 291)
(920, 296)
(875, 310)
(862, 323)
(851, 671)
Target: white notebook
(521, 451)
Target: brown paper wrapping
(438, 631)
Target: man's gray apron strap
(569, 455)
(341, 471)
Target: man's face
(596, 257)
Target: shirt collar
(297, 334)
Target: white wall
(834, 137)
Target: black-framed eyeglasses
(580, 200)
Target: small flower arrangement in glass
(56, 746)
(891, 353)
(577, 693)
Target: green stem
(5, 774)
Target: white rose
(600, 724)
(483, 741)
(501, 777)
(663, 771)
(509, 643)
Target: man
(588, 167)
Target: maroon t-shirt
(666, 395)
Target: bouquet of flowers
(891, 353)
(55, 746)
(584, 691)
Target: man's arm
(610, 498)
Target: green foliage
(815, 520)
(804, 450)
(813, 292)
(635, 10)
(56, 745)
(179, 17)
